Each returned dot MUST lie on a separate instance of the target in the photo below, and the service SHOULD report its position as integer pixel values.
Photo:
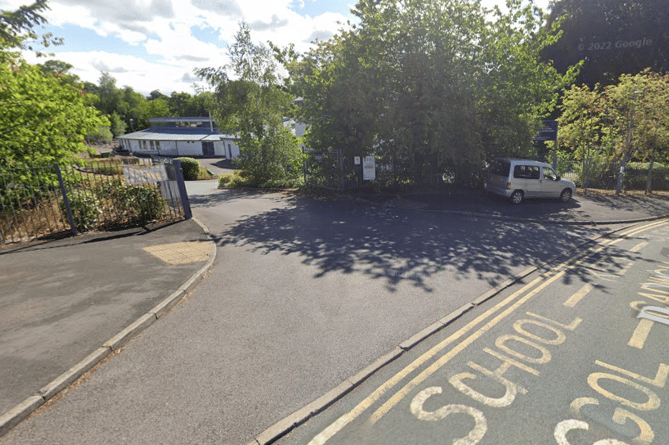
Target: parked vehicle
(518, 179)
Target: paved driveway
(303, 295)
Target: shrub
(238, 178)
(190, 167)
(145, 203)
(84, 206)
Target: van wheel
(565, 196)
(517, 197)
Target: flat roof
(175, 136)
(181, 119)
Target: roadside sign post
(549, 133)
(368, 168)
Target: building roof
(177, 134)
(181, 119)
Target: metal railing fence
(93, 195)
(598, 174)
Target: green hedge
(190, 167)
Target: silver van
(518, 179)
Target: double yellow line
(522, 296)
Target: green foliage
(91, 207)
(612, 37)
(145, 202)
(625, 120)
(100, 134)
(190, 167)
(24, 185)
(118, 127)
(42, 120)
(158, 108)
(236, 179)
(437, 86)
(16, 30)
(242, 178)
(276, 159)
(253, 107)
(84, 205)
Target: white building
(181, 136)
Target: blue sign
(548, 133)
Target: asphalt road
(560, 358)
(303, 295)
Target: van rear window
(500, 168)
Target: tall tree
(612, 37)
(622, 121)
(435, 85)
(16, 30)
(253, 107)
(180, 104)
(43, 118)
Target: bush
(238, 178)
(191, 168)
(145, 203)
(84, 206)
(242, 178)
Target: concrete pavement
(77, 295)
(67, 304)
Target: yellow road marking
(399, 395)
(638, 247)
(582, 292)
(348, 417)
(181, 253)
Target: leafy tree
(638, 117)
(253, 107)
(42, 119)
(180, 104)
(135, 107)
(156, 94)
(200, 104)
(109, 94)
(582, 130)
(612, 37)
(430, 85)
(158, 108)
(623, 121)
(16, 30)
(118, 127)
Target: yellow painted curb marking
(181, 253)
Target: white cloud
(227, 8)
(142, 75)
(163, 28)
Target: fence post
(181, 185)
(65, 200)
(342, 182)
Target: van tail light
(508, 186)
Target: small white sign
(136, 174)
(368, 168)
(356, 160)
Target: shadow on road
(397, 245)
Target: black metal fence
(597, 174)
(332, 171)
(92, 195)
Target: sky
(156, 44)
